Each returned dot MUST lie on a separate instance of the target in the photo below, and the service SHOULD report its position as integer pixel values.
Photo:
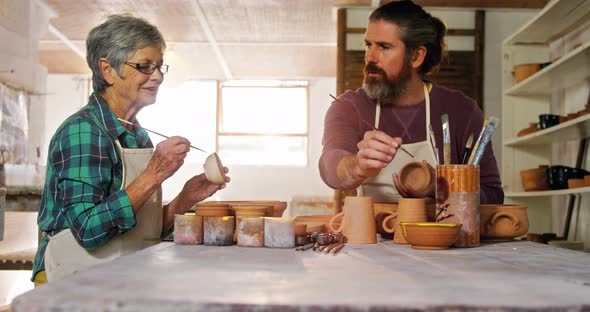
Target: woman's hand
(199, 188)
(376, 151)
(168, 157)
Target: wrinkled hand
(376, 151)
(411, 193)
(168, 157)
(199, 188)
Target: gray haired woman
(102, 195)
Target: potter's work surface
(385, 277)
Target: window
(263, 123)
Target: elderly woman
(102, 196)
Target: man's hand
(376, 151)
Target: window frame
(219, 121)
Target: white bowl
(214, 169)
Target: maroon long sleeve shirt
(343, 130)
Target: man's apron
(65, 256)
(381, 187)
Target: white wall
(499, 24)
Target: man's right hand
(376, 151)
(168, 157)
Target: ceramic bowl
(430, 235)
(414, 178)
(214, 169)
(502, 222)
(548, 120)
(535, 179)
(523, 71)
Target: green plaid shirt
(83, 181)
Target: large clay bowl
(430, 235)
(502, 222)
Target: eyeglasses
(148, 68)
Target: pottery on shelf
(536, 179)
(523, 71)
(430, 235)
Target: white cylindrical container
(279, 232)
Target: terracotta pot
(315, 223)
(575, 183)
(382, 211)
(358, 221)
(251, 210)
(213, 210)
(409, 210)
(535, 179)
(214, 169)
(523, 71)
(415, 179)
(430, 235)
(503, 222)
(587, 180)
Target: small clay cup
(415, 179)
(214, 169)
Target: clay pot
(300, 228)
(214, 169)
(409, 210)
(536, 179)
(587, 180)
(358, 221)
(503, 222)
(430, 235)
(575, 183)
(415, 179)
(314, 223)
(382, 211)
(523, 71)
(533, 127)
(251, 211)
(213, 210)
(188, 229)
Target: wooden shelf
(574, 129)
(549, 193)
(570, 69)
(553, 21)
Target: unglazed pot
(358, 221)
(409, 210)
(214, 169)
(503, 222)
(415, 179)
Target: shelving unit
(522, 102)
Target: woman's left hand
(199, 188)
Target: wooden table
(385, 277)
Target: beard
(385, 88)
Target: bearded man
(403, 44)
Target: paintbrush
(486, 136)
(366, 122)
(467, 151)
(155, 132)
(433, 143)
(446, 139)
(476, 145)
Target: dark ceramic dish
(548, 120)
(558, 176)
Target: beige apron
(65, 256)
(381, 187)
